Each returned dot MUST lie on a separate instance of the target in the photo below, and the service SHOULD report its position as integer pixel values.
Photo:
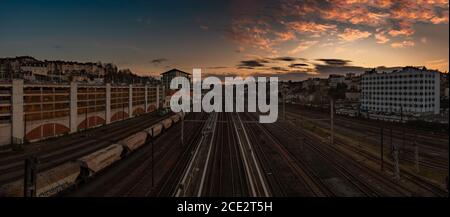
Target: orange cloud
(311, 27)
(347, 20)
(353, 34)
(285, 36)
(381, 38)
(303, 46)
(404, 29)
(403, 44)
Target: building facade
(167, 77)
(32, 112)
(410, 91)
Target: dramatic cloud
(298, 65)
(335, 62)
(402, 29)
(287, 59)
(251, 64)
(353, 34)
(311, 27)
(250, 33)
(280, 21)
(278, 68)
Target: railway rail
(70, 148)
(422, 187)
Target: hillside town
(36, 71)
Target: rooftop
(175, 70)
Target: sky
(292, 39)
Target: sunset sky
(292, 39)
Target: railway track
(425, 187)
(226, 177)
(171, 180)
(223, 163)
(132, 176)
(431, 156)
(367, 182)
(71, 149)
(427, 134)
(313, 184)
(431, 140)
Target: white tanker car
(56, 180)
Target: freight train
(60, 178)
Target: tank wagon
(155, 130)
(56, 180)
(167, 123)
(133, 142)
(48, 183)
(93, 163)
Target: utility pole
(29, 184)
(403, 140)
(123, 110)
(381, 149)
(86, 118)
(153, 157)
(396, 163)
(182, 130)
(416, 156)
(284, 105)
(332, 121)
(25, 128)
(390, 141)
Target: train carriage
(167, 123)
(155, 130)
(48, 183)
(134, 141)
(100, 159)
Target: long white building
(413, 91)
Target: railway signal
(381, 149)
(332, 121)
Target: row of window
(399, 93)
(383, 77)
(400, 99)
(397, 82)
(404, 107)
(399, 88)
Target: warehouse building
(31, 112)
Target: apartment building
(411, 90)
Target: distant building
(411, 90)
(334, 80)
(31, 69)
(352, 96)
(171, 74)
